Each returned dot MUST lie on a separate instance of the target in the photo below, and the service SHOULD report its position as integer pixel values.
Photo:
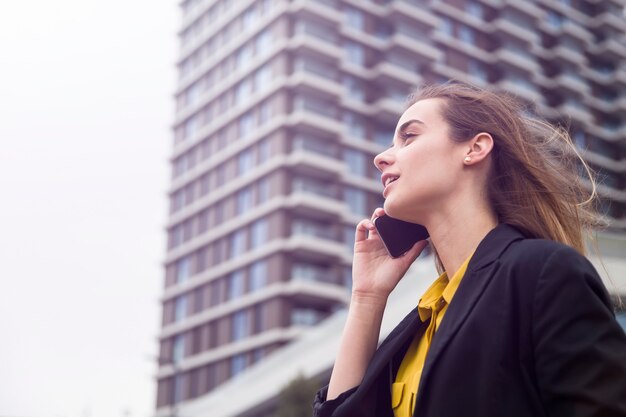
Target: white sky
(85, 113)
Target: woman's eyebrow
(408, 123)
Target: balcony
(315, 123)
(526, 7)
(318, 249)
(523, 90)
(572, 82)
(576, 112)
(463, 47)
(610, 47)
(404, 9)
(519, 60)
(385, 70)
(310, 163)
(420, 47)
(313, 84)
(453, 73)
(599, 104)
(308, 44)
(609, 18)
(312, 204)
(568, 55)
(316, 10)
(506, 26)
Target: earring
(467, 159)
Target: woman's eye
(407, 136)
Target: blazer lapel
(480, 271)
(394, 342)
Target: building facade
(280, 108)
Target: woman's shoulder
(541, 249)
(545, 257)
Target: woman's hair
(536, 181)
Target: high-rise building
(281, 107)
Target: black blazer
(529, 332)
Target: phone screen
(397, 235)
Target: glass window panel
(258, 275)
(180, 307)
(238, 243)
(240, 325)
(178, 348)
(259, 233)
(236, 284)
(357, 200)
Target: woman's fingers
(363, 228)
(379, 211)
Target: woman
(519, 324)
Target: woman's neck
(456, 233)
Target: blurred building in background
(281, 107)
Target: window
(304, 317)
(355, 125)
(554, 19)
(216, 292)
(236, 284)
(249, 17)
(245, 162)
(258, 275)
(357, 200)
(476, 69)
(198, 299)
(182, 269)
(579, 139)
(259, 233)
(356, 162)
(263, 190)
(384, 138)
(243, 91)
(237, 364)
(238, 243)
(355, 53)
(243, 57)
(262, 78)
(354, 88)
(246, 123)
(354, 18)
(309, 227)
(302, 271)
(178, 349)
(190, 127)
(466, 34)
(263, 149)
(348, 237)
(263, 42)
(180, 307)
(265, 113)
(474, 9)
(244, 200)
(192, 94)
(447, 26)
(240, 325)
(314, 186)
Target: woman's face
(423, 167)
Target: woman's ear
(478, 148)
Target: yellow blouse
(433, 303)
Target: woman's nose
(383, 159)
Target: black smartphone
(399, 236)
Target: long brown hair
(538, 183)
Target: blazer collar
(492, 246)
(480, 270)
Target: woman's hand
(374, 273)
